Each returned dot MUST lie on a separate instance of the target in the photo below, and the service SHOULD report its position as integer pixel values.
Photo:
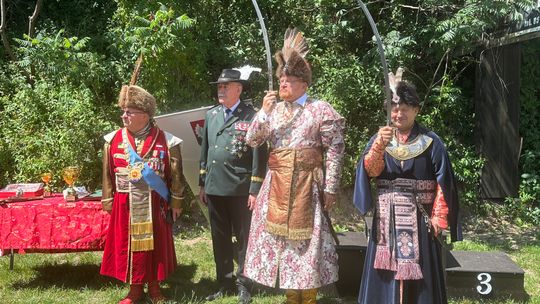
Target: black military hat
(230, 75)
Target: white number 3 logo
(484, 288)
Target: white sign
(187, 125)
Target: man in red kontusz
(142, 185)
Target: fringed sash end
(383, 258)
(408, 271)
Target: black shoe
(244, 297)
(222, 292)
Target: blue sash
(150, 177)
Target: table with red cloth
(53, 225)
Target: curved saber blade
(266, 46)
(388, 94)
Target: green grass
(74, 277)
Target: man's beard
(284, 95)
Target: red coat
(118, 262)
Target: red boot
(155, 292)
(135, 293)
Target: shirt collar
(233, 107)
(302, 100)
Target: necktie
(227, 114)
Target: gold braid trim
(279, 229)
(141, 228)
(257, 179)
(406, 151)
(142, 244)
(300, 234)
(290, 234)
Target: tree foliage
(187, 43)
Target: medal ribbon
(150, 177)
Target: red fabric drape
(53, 225)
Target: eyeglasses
(283, 81)
(130, 113)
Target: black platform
(469, 274)
(351, 255)
(485, 275)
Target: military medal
(161, 156)
(135, 172)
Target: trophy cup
(46, 178)
(70, 175)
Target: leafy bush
(173, 59)
(69, 102)
(62, 128)
(527, 205)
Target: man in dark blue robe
(416, 198)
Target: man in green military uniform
(231, 174)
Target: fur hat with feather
(291, 59)
(133, 96)
(402, 91)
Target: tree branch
(445, 55)
(33, 19)
(418, 8)
(31, 32)
(433, 8)
(5, 39)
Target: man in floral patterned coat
(290, 241)
(231, 173)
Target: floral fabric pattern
(303, 264)
(316, 124)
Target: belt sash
(140, 210)
(294, 173)
(397, 226)
(138, 179)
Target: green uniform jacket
(229, 167)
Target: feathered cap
(133, 96)
(291, 59)
(402, 91)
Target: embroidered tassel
(393, 261)
(408, 271)
(383, 258)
